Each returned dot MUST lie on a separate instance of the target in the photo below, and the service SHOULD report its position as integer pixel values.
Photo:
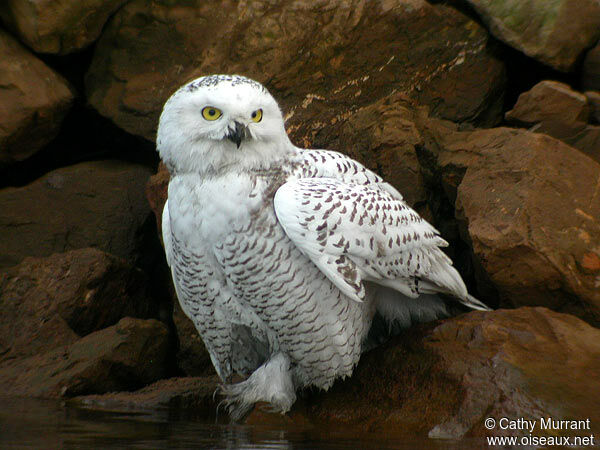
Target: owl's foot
(271, 383)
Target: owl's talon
(270, 383)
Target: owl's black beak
(239, 133)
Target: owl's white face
(218, 122)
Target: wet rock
(590, 72)
(48, 28)
(528, 205)
(443, 380)
(194, 395)
(321, 60)
(33, 102)
(53, 301)
(122, 357)
(553, 32)
(94, 204)
(555, 109)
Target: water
(28, 423)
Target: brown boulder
(444, 380)
(94, 204)
(553, 32)
(555, 109)
(53, 301)
(33, 102)
(551, 102)
(125, 356)
(321, 60)
(529, 207)
(60, 29)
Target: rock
(590, 73)
(555, 109)
(53, 301)
(94, 204)
(553, 32)
(195, 395)
(594, 101)
(588, 141)
(125, 356)
(528, 205)
(33, 102)
(48, 28)
(321, 60)
(443, 380)
(552, 102)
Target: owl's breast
(206, 211)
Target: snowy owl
(285, 258)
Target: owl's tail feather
(396, 312)
(473, 303)
(405, 311)
(443, 278)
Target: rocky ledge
(441, 380)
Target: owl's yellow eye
(211, 113)
(256, 115)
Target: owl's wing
(355, 233)
(331, 164)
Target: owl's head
(218, 122)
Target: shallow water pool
(30, 423)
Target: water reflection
(27, 423)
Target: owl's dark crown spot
(214, 80)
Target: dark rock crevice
(441, 203)
(84, 136)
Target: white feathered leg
(271, 383)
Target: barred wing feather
(355, 233)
